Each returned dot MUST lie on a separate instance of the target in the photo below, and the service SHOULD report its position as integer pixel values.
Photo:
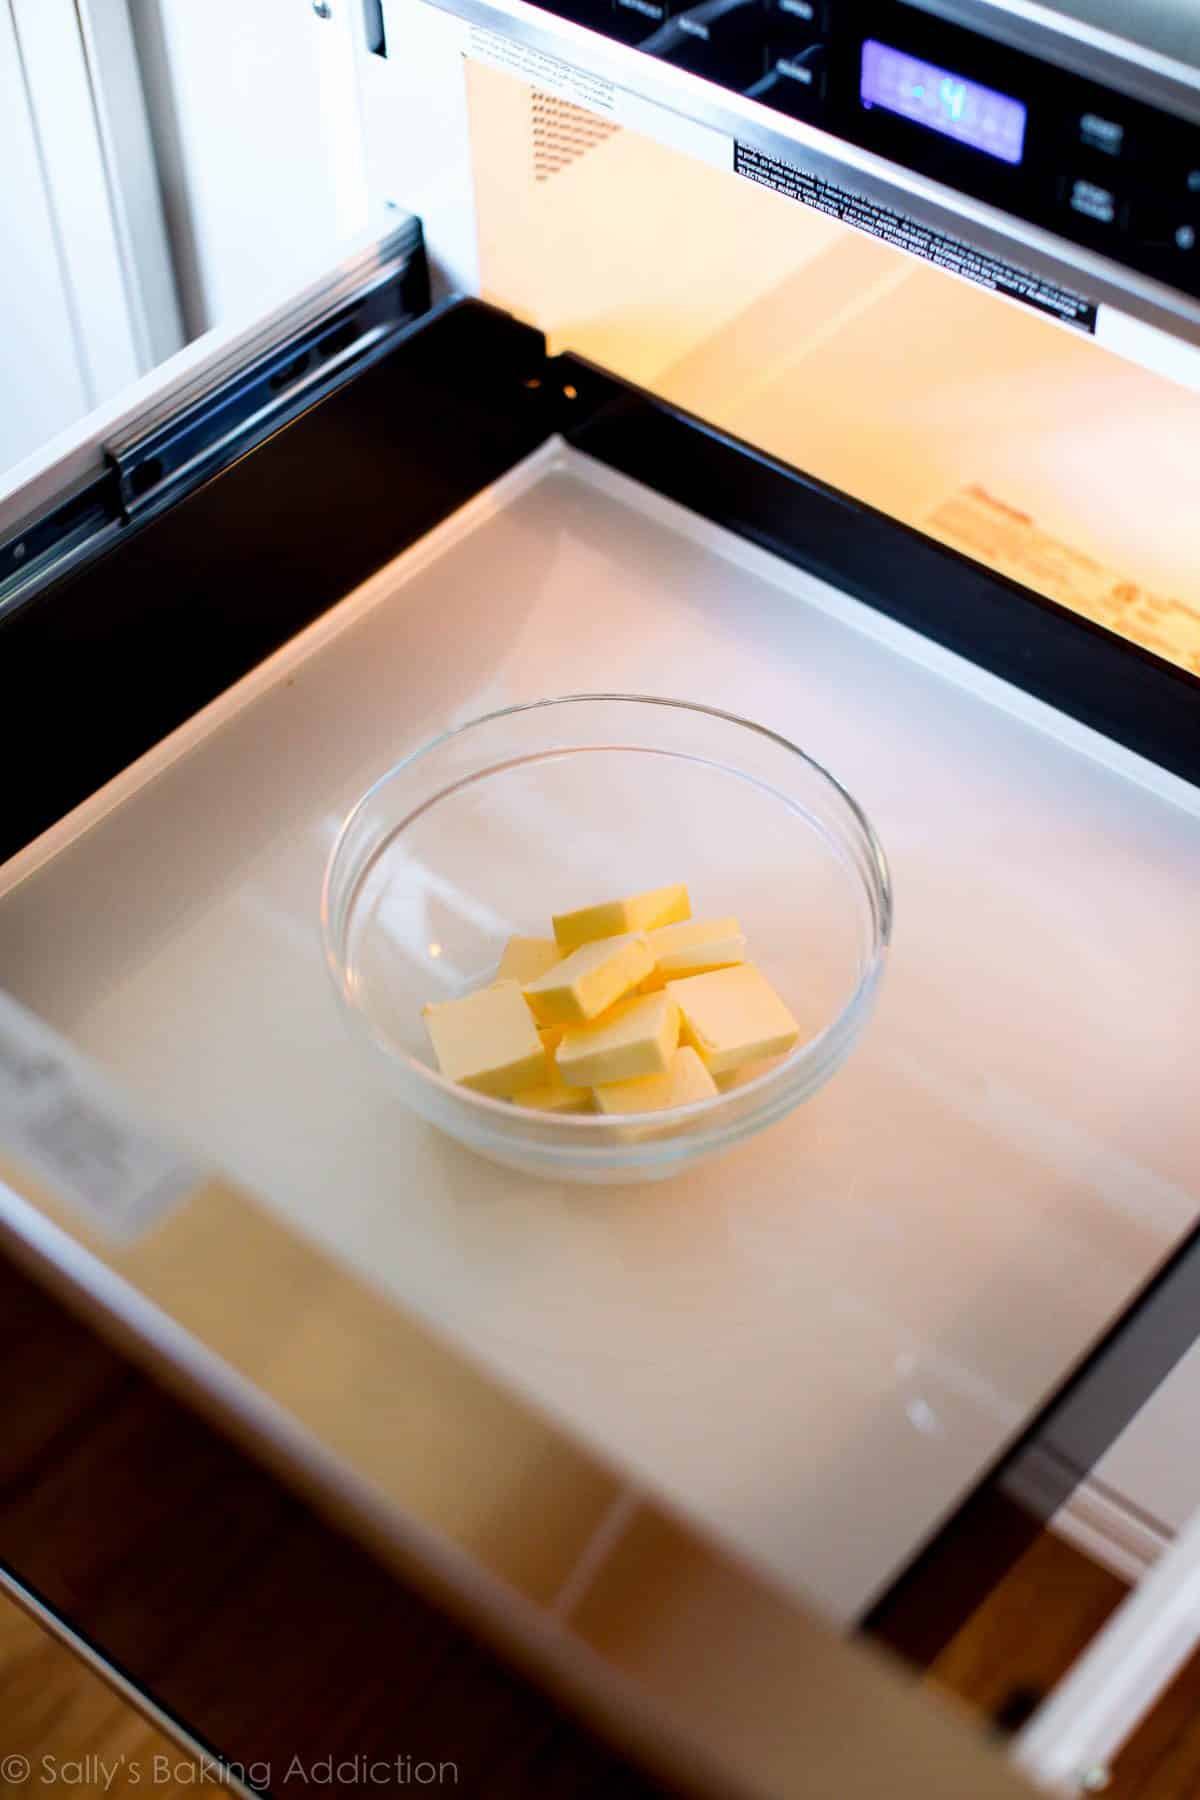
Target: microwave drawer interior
(815, 1345)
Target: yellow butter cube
(589, 980)
(487, 1041)
(553, 1094)
(686, 1081)
(638, 1037)
(641, 912)
(733, 1016)
(693, 947)
(525, 958)
(745, 1072)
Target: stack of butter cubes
(631, 1007)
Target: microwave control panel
(1111, 173)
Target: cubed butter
(551, 1093)
(525, 958)
(733, 1016)
(638, 1037)
(589, 980)
(686, 1081)
(487, 1040)
(641, 912)
(744, 1073)
(693, 947)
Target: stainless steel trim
(204, 410)
(944, 209)
(349, 280)
(71, 461)
(122, 1687)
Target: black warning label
(905, 234)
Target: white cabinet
(42, 383)
(259, 139)
(88, 301)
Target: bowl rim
(846, 1021)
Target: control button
(1097, 132)
(803, 12)
(1090, 200)
(719, 39)
(806, 67)
(634, 20)
(1169, 226)
(794, 82)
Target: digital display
(964, 110)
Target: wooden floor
(244, 1615)
(1028, 1632)
(65, 1726)
(62, 1726)
(275, 1639)
(1025, 1637)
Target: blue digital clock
(964, 110)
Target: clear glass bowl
(537, 809)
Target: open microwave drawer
(810, 1357)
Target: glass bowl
(538, 809)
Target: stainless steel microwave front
(1019, 144)
(846, 291)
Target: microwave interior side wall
(970, 417)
